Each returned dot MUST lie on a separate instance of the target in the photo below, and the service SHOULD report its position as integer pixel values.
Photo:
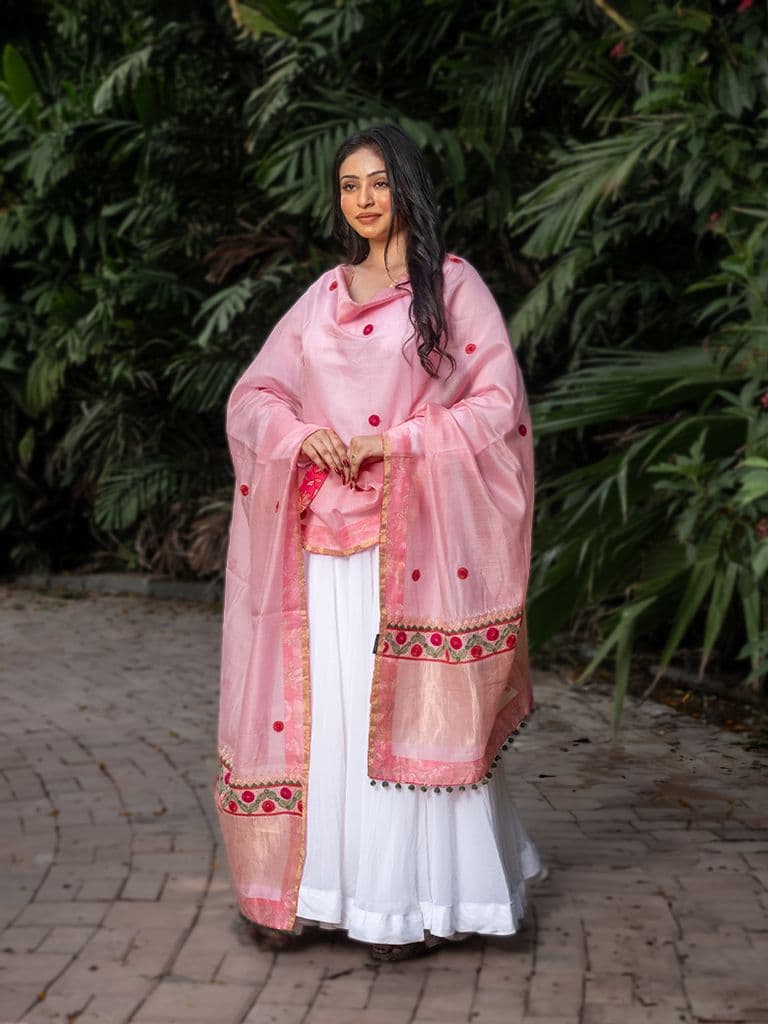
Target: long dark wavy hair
(414, 206)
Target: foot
(271, 939)
(404, 952)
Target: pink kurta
(450, 507)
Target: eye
(383, 182)
(347, 186)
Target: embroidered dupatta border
(453, 645)
(504, 731)
(257, 798)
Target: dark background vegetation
(164, 198)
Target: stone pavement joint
(115, 903)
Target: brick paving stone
(175, 1002)
(556, 992)
(327, 1015)
(397, 987)
(292, 984)
(243, 966)
(447, 995)
(600, 1013)
(66, 939)
(115, 898)
(268, 1013)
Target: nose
(365, 195)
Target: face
(365, 195)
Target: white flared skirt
(387, 865)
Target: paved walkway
(115, 903)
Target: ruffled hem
(330, 910)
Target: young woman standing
(374, 662)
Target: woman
(374, 659)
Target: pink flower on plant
(618, 49)
(744, 6)
(762, 528)
(764, 400)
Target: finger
(308, 449)
(332, 459)
(341, 454)
(335, 450)
(315, 455)
(354, 465)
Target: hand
(363, 448)
(326, 449)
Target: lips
(369, 217)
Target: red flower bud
(744, 6)
(764, 400)
(762, 528)
(617, 49)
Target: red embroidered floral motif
(278, 726)
(333, 286)
(470, 348)
(462, 572)
(482, 640)
(256, 798)
(522, 429)
(243, 488)
(374, 420)
(368, 328)
(415, 575)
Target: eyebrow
(382, 171)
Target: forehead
(362, 162)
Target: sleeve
(264, 418)
(492, 402)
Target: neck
(397, 257)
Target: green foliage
(165, 194)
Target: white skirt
(387, 865)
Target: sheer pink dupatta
(451, 675)
(263, 728)
(451, 680)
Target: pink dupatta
(451, 679)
